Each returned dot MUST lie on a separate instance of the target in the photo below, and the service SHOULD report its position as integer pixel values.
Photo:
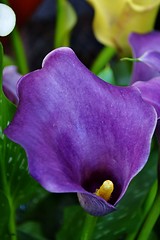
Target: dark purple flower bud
(79, 131)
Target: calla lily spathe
(146, 72)
(10, 80)
(113, 22)
(79, 131)
(146, 48)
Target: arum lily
(113, 23)
(146, 72)
(146, 49)
(81, 134)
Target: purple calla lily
(150, 92)
(146, 72)
(79, 131)
(145, 47)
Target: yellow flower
(115, 20)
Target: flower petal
(143, 5)
(94, 205)
(150, 92)
(78, 130)
(146, 47)
(10, 80)
(152, 59)
(130, 15)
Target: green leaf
(21, 186)
(1, 60)
(7, 61)
(4, 213)
(103, 58)
(73, 216)
(30, 231)
(66, 20)
(107, 75)
(122, 72)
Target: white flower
(7, 20)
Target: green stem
(88, 228)
(59, 38)
(151, 219)
(6, 189)
(150, 198)
(12, 223)
(19, 52)
(103, 58)
(3, 147)
(18, 48)
(60, 18)
(153, 213)
(145, 208)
